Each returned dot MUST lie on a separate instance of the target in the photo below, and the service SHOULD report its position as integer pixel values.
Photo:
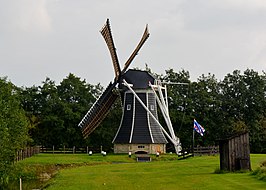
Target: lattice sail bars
(98, 111)
(107, 35)
(145, 36)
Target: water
(26, 185)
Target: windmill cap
(139, 79)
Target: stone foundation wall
(149, 148)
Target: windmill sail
(102, 106)
(98, 111)
(145, 36)
(107, 35)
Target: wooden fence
(208, 150)
(69, 150)
(199, 151)
(30, 151)
(27, 152)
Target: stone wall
(149, 148)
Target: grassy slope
(98, 173)
(74, 159)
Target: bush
(13, 128)
(260, 172)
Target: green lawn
(121, 172)
(75, 159)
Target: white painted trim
(148, 117)
(161, 102)
(166, 97)
(169, 123)
(141, 102)
(133, 119)
(124, 105)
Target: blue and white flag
(198, 128)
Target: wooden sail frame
(102, 106)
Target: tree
(205, 101)
(55, 110)
(243, 98)
(50, 129)
(76, 98)
(13, 127)
(232, 89)
(180, 104)
(237, 103)
(254, 108)
(30, 101)
(105, 133)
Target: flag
(198, 128)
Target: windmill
(140, 129)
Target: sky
(52, 38)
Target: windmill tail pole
(178, 147)
(163, 104)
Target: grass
(121, 172)
(260, 172)
(74, 159)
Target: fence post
(53, 149)
(73, 149)
(20, 183)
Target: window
(129, 107)
(141, 146)
(152, 107)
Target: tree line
(49, 114)
(235, 104)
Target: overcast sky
(52, 38)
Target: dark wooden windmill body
(139, 130)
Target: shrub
(261, 171)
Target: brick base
(148, 148)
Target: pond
(26, 185)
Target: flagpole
(193, 141)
